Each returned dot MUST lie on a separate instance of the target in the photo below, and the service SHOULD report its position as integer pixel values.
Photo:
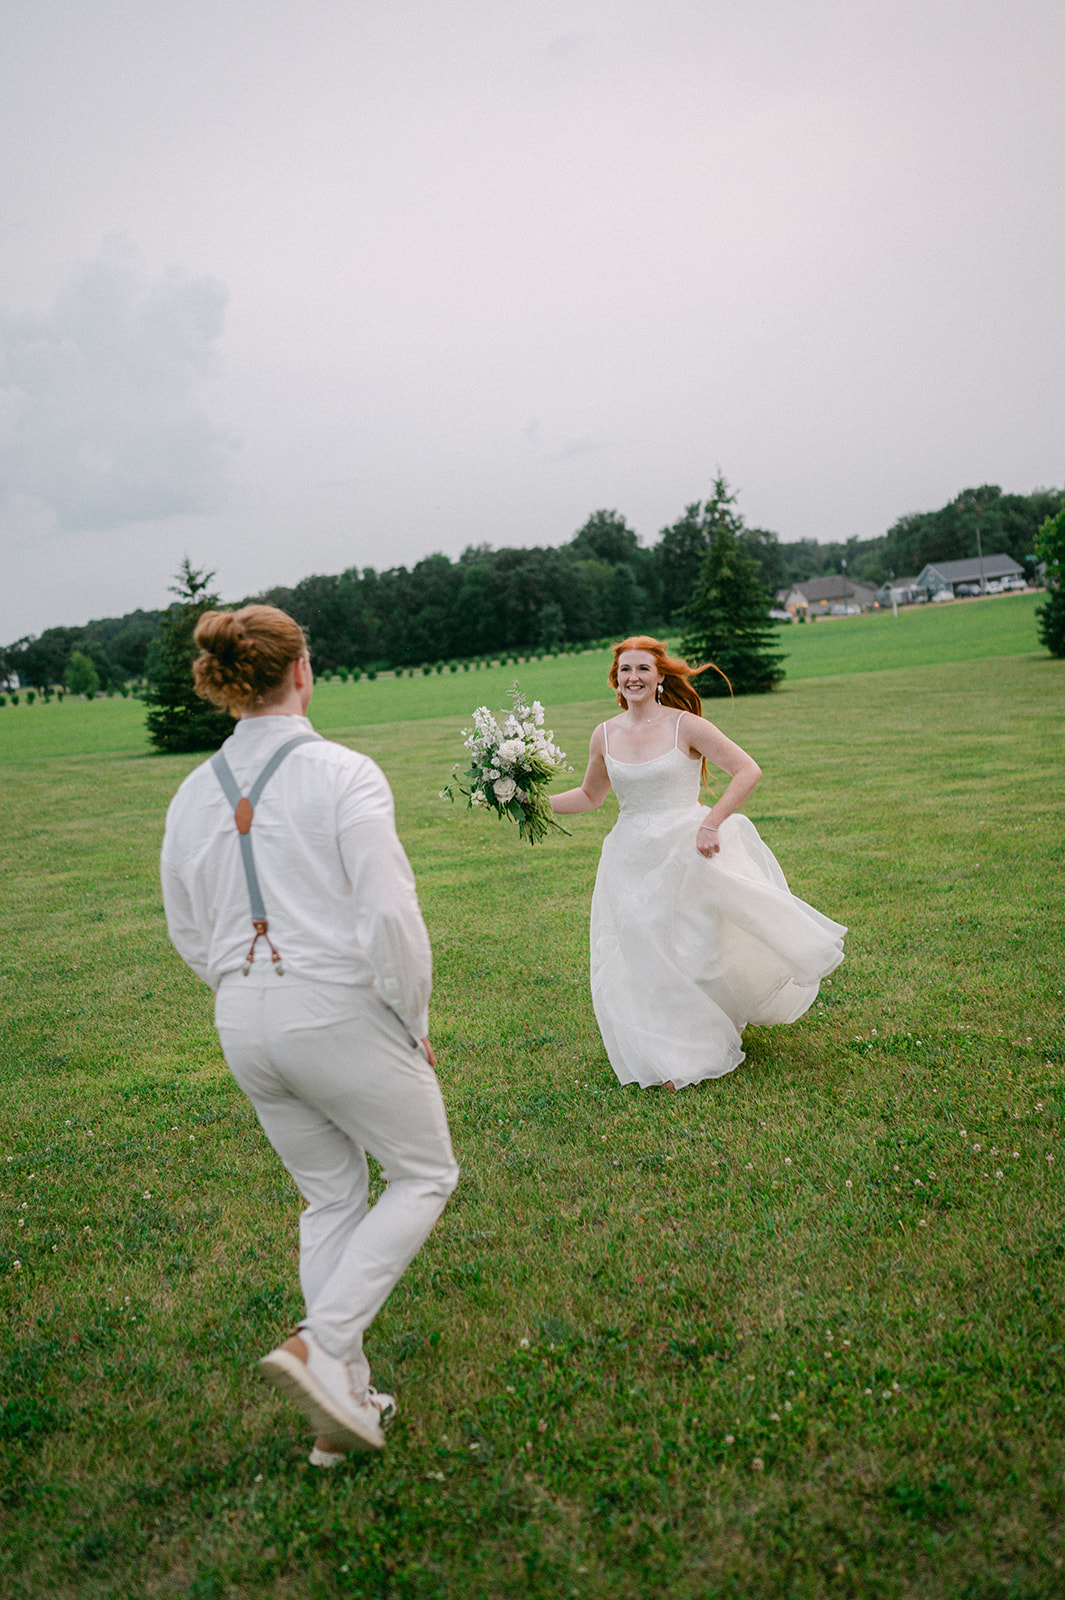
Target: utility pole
(980, 553)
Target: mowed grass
(959, 630)
(793, 1333)
(919, 636)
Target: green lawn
(796, 1333)
(961, 630)
(919, 636)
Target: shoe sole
(289, 1374)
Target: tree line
(602, 582)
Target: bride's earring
(658, 694)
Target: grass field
(796, 1333)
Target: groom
(323, 1014)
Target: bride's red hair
(676, 686)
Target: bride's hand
(706, 841)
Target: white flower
(504, 789)
(510, 751)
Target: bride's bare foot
(669, 1084)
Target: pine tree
(178, 719)
(726, 621)
(1050, 548)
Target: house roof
(833, 588)
(968, 571)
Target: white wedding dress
(686, 951)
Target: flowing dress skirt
(686, 951)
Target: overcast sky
(293, 287)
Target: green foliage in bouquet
(510, 767)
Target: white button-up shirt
(337, 886)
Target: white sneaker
(321, 1386)
(324, 1452)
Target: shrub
(371, 675)
(31, 696)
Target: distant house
(938, 575)
(900, 592)
(822, 597)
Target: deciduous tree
(81, 675)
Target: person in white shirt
(292, 897)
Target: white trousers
(332, 1073)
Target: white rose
(510, 750)
(504, 789)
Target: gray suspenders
(243, 812)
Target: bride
(694, 930)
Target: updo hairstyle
(244, 656)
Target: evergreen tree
(178, 719)
(726, 621)
(1050, 547)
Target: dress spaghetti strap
(606, 747)
(676, 733)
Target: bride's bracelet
(711, 827)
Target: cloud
(102, 414)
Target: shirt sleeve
(189, 940)
(388, 921)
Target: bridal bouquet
(511, 766)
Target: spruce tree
(726, 621)
(1050, 548)
(178, 719)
